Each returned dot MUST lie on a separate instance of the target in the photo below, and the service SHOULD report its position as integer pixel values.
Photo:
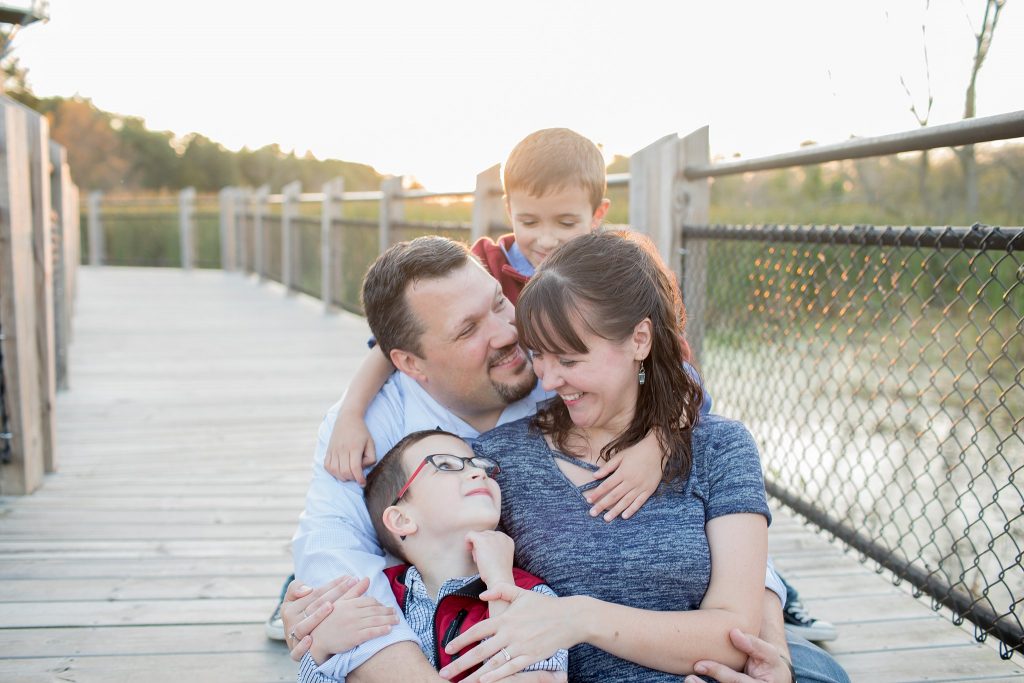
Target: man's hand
(764, 663)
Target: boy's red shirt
(492, 255)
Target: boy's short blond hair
(554, 159)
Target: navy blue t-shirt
(657, 560)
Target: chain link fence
(882, 370)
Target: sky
(442, 90)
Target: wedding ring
(293, 636)
(508, 657)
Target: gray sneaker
(274, 626)
(800, 623)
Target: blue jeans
(812, 664)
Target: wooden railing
(39, 255)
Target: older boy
(435, 505)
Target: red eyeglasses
(446, 462)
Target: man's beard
(510, 393)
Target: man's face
(471, 360)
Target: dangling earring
(642, 375)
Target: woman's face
(598, 387)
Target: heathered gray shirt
(657, 560)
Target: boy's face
(441, 501)
(541, 224)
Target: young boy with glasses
(435, 505)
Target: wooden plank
(134, 612)
(255, 667)
(965, 663)
(266, 586)
(42, 252)
(24, 473)
(118, 570)
(137, 640)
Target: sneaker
(800, 623)
(274, 627)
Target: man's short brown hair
(554, 159)
(384, 287)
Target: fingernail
(593, 512)
(608, 517)
(304, 588)
(627, 515)
(700, 668)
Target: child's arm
(492, 553)
(630, 477)
(351, 446)
(355, 619)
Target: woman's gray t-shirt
(657, 560)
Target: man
(448, 329)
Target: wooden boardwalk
(184, 445)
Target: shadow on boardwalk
(183, 451)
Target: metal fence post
(329, 211)
(290, 202)
(186, 225)
(391, 210)
(691, 201)
(96, 248)
(487, 204)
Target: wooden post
(228, 229)
(96, 247)
(24, 472)
(186, 225)
(488, 206)
(242, 202)
(259, 212)
(289, 209)
(392, 210)
(42, 251)
(329, 261)
(60, 195)
(692, 199)
(651, 173)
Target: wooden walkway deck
(184, 444)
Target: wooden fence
(39, 254)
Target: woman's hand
(764, 663)
(532, 629)
(630, 477)
(350, 449)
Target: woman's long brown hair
(607, 283)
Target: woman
(643, 599)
